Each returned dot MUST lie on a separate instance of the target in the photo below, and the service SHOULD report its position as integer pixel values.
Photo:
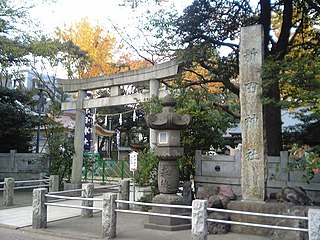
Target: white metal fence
(199, 215)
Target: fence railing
(103, 170)
(261, 215)
(199, 215)
(40, 202)
(10, 185)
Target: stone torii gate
(151, 75)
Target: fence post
(198, 158)
(8, 191)
(103, 170)
(109, 216)
(314, 223)
(88, 191)
(124, 193)
(199, 229)
(54, 183)
(122, 169)
(39, 209)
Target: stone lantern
(168, 149)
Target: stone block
(39, 212)
(187, 193)
(218, 228)
(109, 216)
(199, 230)
(204, 192)
(314, 224)
(54, 183)
(168, 177)
(270, 208)
(168, 223)
(124, 193)
(168, 153)
(8, 192)
(88, 192)
(72, 186)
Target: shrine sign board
(133, 157)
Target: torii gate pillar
(154, 86)
(78, 139)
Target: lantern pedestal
(168, 223)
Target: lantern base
(169, 223)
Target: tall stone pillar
(78, 140)
(168, 125)
(154, 86)
(253, 159)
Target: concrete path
(22, 216)
(129, 227)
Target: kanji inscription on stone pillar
(253, 157)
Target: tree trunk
(272, 111)
(272, 122)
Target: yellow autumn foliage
(101, 48)
(99, 45)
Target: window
(163, 138)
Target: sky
(50, 14)
(66, 12)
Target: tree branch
(225, 81)
(315, 6)
(135, 49)
(226, 109)
(282, 44)
(211, 40)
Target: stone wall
(226, 170)
(22, 165)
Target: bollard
(124, 194)
(109, 216)
(42, 175)
(199, 230)
(54, 183)
(39, 209)
(88, 191)
(8, 191)
(187, 193)
(314, 223)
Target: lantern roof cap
(168, 119)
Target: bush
(60, 152)
(146, 174)
(306, 160)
